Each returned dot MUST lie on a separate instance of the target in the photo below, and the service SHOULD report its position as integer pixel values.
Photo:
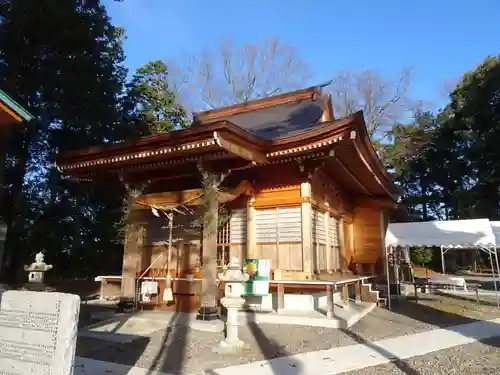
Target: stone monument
(232, 301)
(37, 271)
(38, 332)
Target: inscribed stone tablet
(38, 332)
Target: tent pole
(494, 277)
(498, 274)
(388, 277)
(443, 268)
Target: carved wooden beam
(310, 167)
(243, 152)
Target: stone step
(368, 294)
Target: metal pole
(442, 260)
(493, 273)
(388, 277)
(498, 274)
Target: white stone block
(38, 332)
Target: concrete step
(368, 293)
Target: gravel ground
(180, 350)
(473, 359)
(429, 313)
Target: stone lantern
(232, 301)
(37, 271)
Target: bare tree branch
(231, 74)
(383, 101)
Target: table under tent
(447, 235)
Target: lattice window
(335, 240)
(318, 227)
(238, 226)
(223, 237)
(289, 224)
(278, 225)
(234, 231)
(266, 225)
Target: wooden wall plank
(277, 197)
(368, 240)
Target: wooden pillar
(357, 287)
(132, 255)
(328, 243)
(281, 297)
(383, 230)
(329, 301)
(306, 219)
(345, 295)
(329, 254)
(342, 257)
(250, 246)
(103, 287)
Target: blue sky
(440, 39)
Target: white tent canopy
(453, 233)
(495, 226)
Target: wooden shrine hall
(302, 188)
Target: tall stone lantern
(232, 301)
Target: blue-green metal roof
(16, 107)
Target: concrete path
(86, 366)
(336, 360)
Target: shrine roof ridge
(258, 104)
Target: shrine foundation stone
(38, 332)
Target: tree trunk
(131, 252)
(208, 309)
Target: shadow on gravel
(110, 345)
(172, 350)
(401, 364)
(470, 298)
(450, 320)
(273, 350)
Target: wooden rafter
(352, 176)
